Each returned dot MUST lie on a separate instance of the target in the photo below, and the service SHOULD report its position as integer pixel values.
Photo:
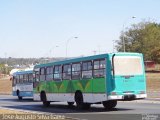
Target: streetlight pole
(124, 47)
(113, 45)
(54, 48)
(68, 42)
(114, 42)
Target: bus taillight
(113, 93)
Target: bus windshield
(128, 65)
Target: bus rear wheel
(109, 104)
(79, 101)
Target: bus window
(87, 70)
(42, 74)
(37, 76)
(57, 73)
(25, 78)
(17, 78)
(122, 63)
(30, 76)
(99, 68)
(14, 80)
(49, 73)
(76, 71)
(21, 79)
(67, 72)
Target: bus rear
(128, 80)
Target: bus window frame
(30, 74)
(99, 67)
(50, 73)
(25, 78)
(21, 80)
(17, 79)
(80, 71)
(59, 73)
(44, 74)
(67, 71)
(35, 79)
(90, 70)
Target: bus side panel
(85, 86)
(99, 85)
(52, 87)
(93, 90)
(39, 86)
(64, 86)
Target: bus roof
(74, 60)
(23, 72)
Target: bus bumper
(127, 97)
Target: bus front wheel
(18, 94)
(44, 100)
(110, 104)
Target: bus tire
(70, 104)
(19, 97)
(86, 106)
(109, 104)
(44, 100)
(79, 101)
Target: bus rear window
(128, 65)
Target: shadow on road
(17, 100)
(59, 108)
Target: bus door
(36, 80)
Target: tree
(143, 37)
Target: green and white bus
(105, 78)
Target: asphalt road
(124, 110)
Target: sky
(72, 28)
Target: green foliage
(4, 69)
(143, 37)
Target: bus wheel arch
(43, 98)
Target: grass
(5, 86)
(6, 111)
(153, 81)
